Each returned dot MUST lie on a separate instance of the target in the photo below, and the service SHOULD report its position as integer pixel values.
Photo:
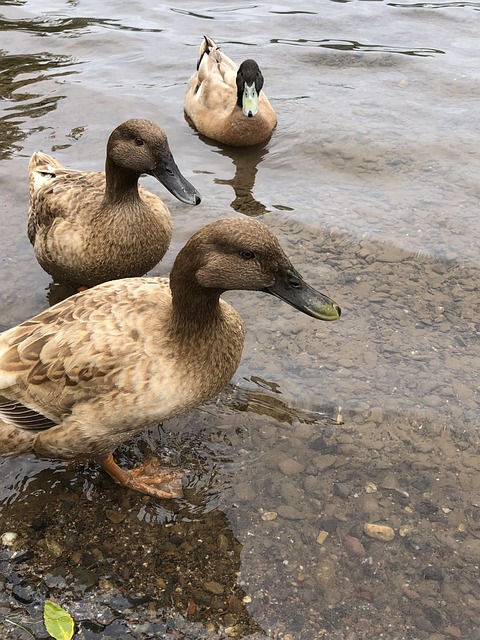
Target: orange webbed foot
(150, 478)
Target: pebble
(214, 587)
(405, 530)
(289, 513)
(453, 631)
(389, 482)
(368, 504)
(115, 516)
(290, 467)
(53, 581)
(52, 546)
(22, 594)
(8, 538)
(322, 463)
(433, 573)
(354, 546)
(470, 551)
(378, 532)
(244, 492)
(376, 414)
(269, 515)
(370, 487)
(341, 489)
(322, 536)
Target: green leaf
(58, 622)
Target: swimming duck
(226, 102)
(97, 368)
(90, 227)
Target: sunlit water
(370, 182)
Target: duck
(92, 227)
(99, 367)
(225, 102)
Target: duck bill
(250, 100)
(169, 175)
(292, 288)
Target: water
(371, 183)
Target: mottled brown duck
(90, 227)
(226, 102)
(99, 367)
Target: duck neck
(121, 184)
(196, 310)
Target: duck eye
(139, 142)
(247, 255)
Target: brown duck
(83, 376)
(90, 227)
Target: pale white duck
(226, 102)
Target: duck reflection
(246, 161)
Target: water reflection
(249, 398)
(67, 26)
(246, 161)
(436, 5)
(352, 45)
(16, 73)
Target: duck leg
(147, 478)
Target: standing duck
(101, 366)
(226, 102)
(90, 227)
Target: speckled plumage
(211, 101)
(91, 227)
(83, 376)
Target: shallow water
(371, 183)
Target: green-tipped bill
(292, 288)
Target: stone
(289, 513)
(354, 546)
(214, 587)
(341, 489)
(290, 467)
(115, 516)
(470, 550)
(322, 536)
(322, 463)
(269, 515)
(378, 532)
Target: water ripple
(437, 5)
(352, 45)
(72, 26)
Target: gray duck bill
(169, 175)
(292, 288)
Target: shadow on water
(131, 573)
